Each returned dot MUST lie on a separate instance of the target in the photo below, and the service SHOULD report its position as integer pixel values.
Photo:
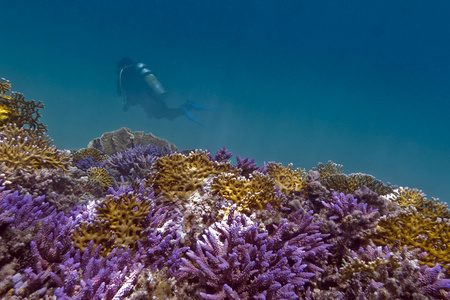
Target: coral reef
(22, 148)
(287, 180)
(413, 229)
(233, 260)
(118, 222)
(406, 197)
(136, 219)
(256, 192)
(347, 184)
(100, 176)
(87, 158)
(177, 176)
(14, 109)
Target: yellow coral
(100, 176)
(97, 232)
(347, 184)
(285, 178)
(328, 170)
(19, 111)
(118, 223)
(255, 192)
(5, 86)
(413, 229)
(22, 148)
(177, 176)
(406, 197)
(97, 155)
(5, 114)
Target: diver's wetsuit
(135, 90)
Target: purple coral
(88, 162)
(430, 281)
(246, 165)
(101, 278)
(348, 219)
(234, 260)
(222, 155)
(136, 159)
(22, 211)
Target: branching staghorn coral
(23, 148)
(15, 109)
(234, 260)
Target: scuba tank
(151, 80)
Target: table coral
(19, 111)
(177, 176)
(23, 148)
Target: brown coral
(413, 229)
(432, 208)
(177, 176)
(100, 176)
(118, 223)
(24, 148)
(328, 170)
(347, 184)
(256, 192)
(96, 155)
(19, 111)
(285, 178)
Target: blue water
(362, 83)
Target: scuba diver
(138, 86)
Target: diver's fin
(190, 116)
(194, 106)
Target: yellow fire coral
(255, 192)
(328, 170)
(15, 109)
(100, 176)
(5, 114)
(285, 178)
(177, 176)
(413, 229)
(347, 184)
(118, 223)
(406, 197)
(97, 156)
(24, 148)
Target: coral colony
(157, 223)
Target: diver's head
(123, 62)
